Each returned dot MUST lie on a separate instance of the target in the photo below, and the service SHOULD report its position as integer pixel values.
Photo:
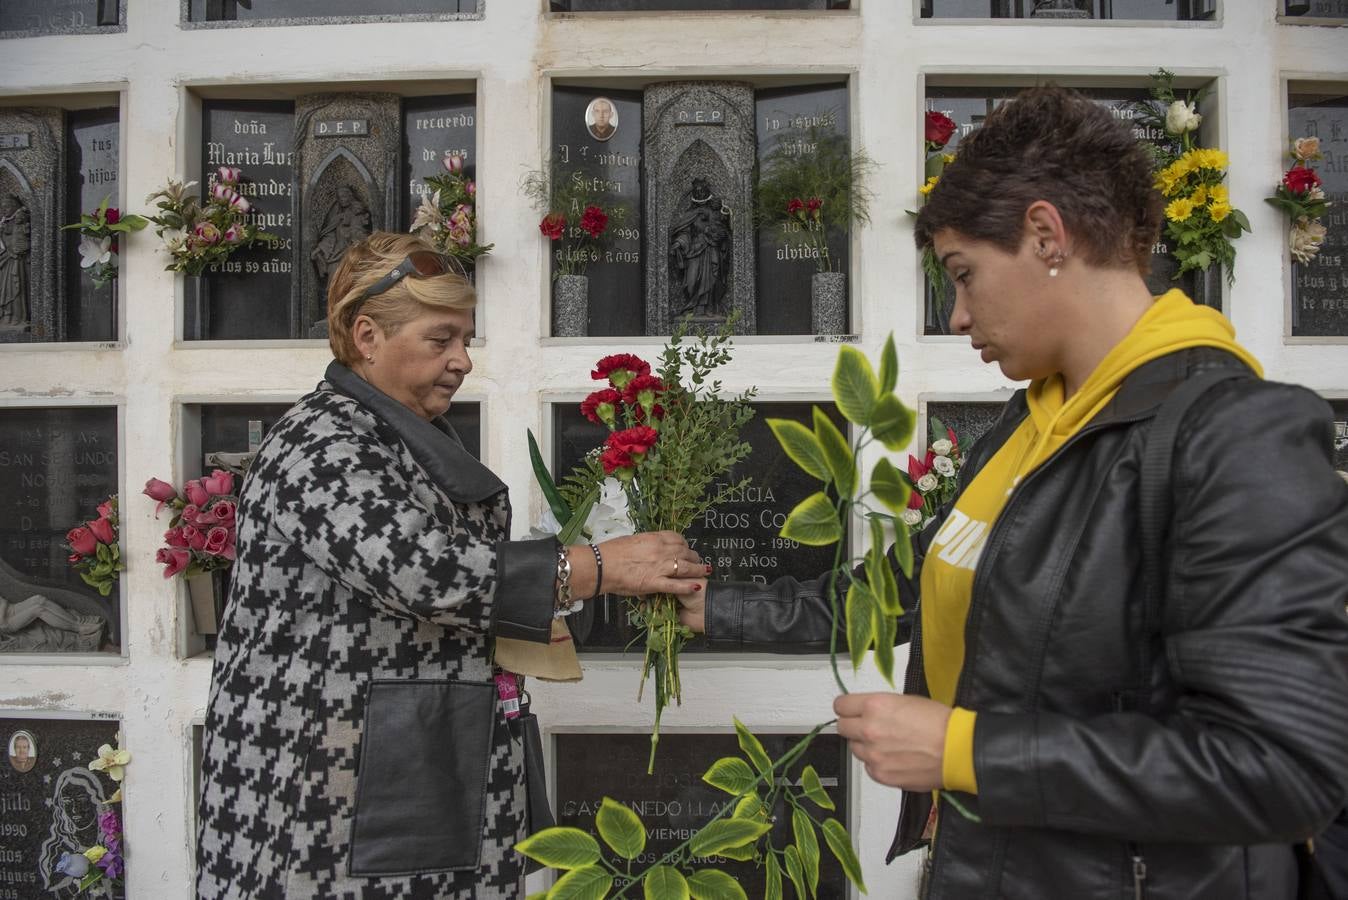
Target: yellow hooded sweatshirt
(1173, 323)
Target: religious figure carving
(699, 254)
(39, 624)
(346, 221)
(15, 244)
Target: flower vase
(207, 593)
(571, 306)
(828, 303)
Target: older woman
(355, 741)
(1109, 734)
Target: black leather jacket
(1201, 749)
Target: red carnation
(615, 460)
(553, 226)
(593, 221)
(794, 206)
(1299, 179)
(657, 413)
(620, 368)
(813, 204)
(601, 406)
(635, 441)
(939, 128)
(648, 384)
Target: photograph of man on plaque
(22, 751)
(601, 119)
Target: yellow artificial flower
(111, 761)
(1179, 210)
(947, 158)
(1168, 179)
(1208, 158)
(1219, 211)
(931, 183)
(95, 853)
(1200, 196)
(1218, 194)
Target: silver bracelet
(564, 602)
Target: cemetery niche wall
(694, 5)
(1315, 11)
(969, 106)
(284, 12)
(57, 464)
(1073, 10)
(55, 164)
(738, 537)
(26, 18)
(1340, 407)
(1320, 287)
(675, 168)
(322, 172)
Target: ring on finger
(676, 567)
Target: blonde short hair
(366, 262)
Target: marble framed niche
(675, 162)
(1338, 403)
(1312, 12)
(1082, 11)
(969, 99)
(739, 538)
(30, 18)
(971, 416)
(243, 13)
(323, 166)
(60, 157)
(728, 6)
(57, 464)
(1317, 309)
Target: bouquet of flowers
(98, 239)
(196, 235)
(447, 216)
(1200, 220)
(94, 551)
(935, 478)
(1303, 199)
(671, 436)
(560, 195)
(104, 860)
(202, 532)
(937, 131)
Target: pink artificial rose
(229, 174)
(223, 512)
(105, 509)
(206, 233)
(194, 537)
(453, 163)
(470, 188)
(74, 558)
(82, 541)
(217, 539)
(174, 560)
(196, 493)
(238, 204)
(190, 513)
(218, 483)
(159, 490)
(223, 192)
(103, 531)
(174, 538)
(233, 234)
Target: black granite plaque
(689, 5)
(249, 296)
(970, 419)
(740, 537)
(1318, 9)
(248, 11)
(1320, 289)
(1340, 408)
(433, 129)
(49, 800)
(613, 167)
(1172, 10)
(675, 801)
(785, 117)
(58, 16)
(92, 173)
(970, 106)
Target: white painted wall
(158, 67)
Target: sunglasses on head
(421, 263)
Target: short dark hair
(1051, 143)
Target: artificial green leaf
(814, 789)
(572, 528)
(934, 166)
(747, 853)
(560, 510)
(561, 848)
(801, 446)
(102, 553)
(888, 485)
(730, 774)
(837, 454)
(796, 872)
(855, 387)
(835, 835)
(884, 643)
(541, 895)
(903, 548)
(620, 828)
(585, 883)
(860, 622)
(711, 884)
(879, 576)
(892, 423)
(724, 834)
(889, 366)
(774, 879)
(1241, 220)
(665, 883)
(808, 844)
(753, 748)
(813, 522)
(750, 806)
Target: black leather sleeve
(1255, 638)
(525, 590)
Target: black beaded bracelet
(598, 571)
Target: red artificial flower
(82, 541)
(194, 536)
(794, 206)
(112, 215)
(635, 442)
(601, 406)
(615, 460)
(593, 221)
(915, 469)
(620, 368)
(105, 509)
(950, 433)
(939, 128)
(223, 511)
(218, 483)
(102, 531)
(915, 500)
(196, 493)
(643, 384)
(161, 491)
(657, 413)
(174, 560)
(813, 204)
(1299, 179)
(553, 226)
(74, 558)
(174, 538)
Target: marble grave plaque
(1320, 288)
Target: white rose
(95, 251)
(943, 465)
(942, 447)
(927, 482)
(1181, 118)
(911, 517)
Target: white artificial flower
(927, 483)
(1181, 118)
(942, 447)
(1304, 239)
(911, 517)
(1306, 148)
(1343, 475)
(428, 213)
(95, 251)
(608, 518)
(943, 465)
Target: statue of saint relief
(699, 255)
(346, 221)
(38, 624)
(15, 244)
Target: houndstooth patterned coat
(373, 563)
